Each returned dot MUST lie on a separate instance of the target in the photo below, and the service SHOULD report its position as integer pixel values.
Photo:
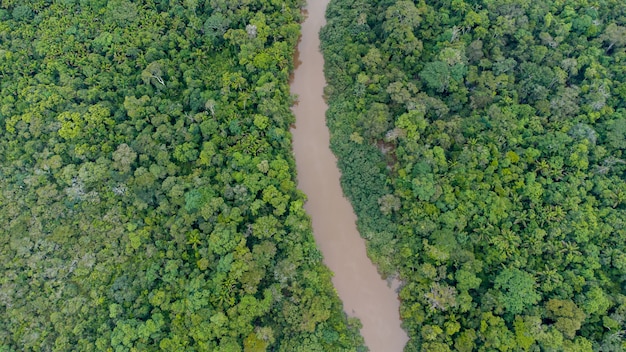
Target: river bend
(364, 293)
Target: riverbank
(364, 293)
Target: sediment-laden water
(364, 293)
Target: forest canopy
(147, 184)
(482, 144)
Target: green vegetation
(482, 145)
(147, 190)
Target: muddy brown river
(364, 293)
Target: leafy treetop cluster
(482, 144)
(147, 189)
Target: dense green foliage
(482, 144)
(147, 189)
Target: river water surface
(364, 293)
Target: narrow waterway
(364, 293)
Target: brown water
(364, 293)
